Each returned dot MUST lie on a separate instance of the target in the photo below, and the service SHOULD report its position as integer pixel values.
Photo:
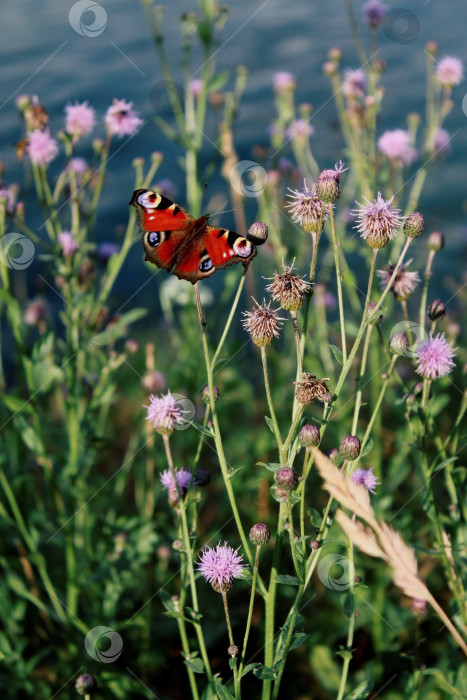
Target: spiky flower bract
(263, 324)
(164, 413)
(435, 357)
(327, 186)
(220, 566)
(288, 289)
(377, 221)
(307, 209)
(404, 283)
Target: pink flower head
(80, 119)
(377, 221)
(299, 129)
(195, 86)
(36, 312)
(434, 357)
(366, 478)
(354, 83)
(183, 477)
(396, 145)
(106, 250)
(67, 243)
(9, 197)
(449, 71)
(121, 120)
(220, 566)
(307, 209)
(78, 165)
(442, 141)
(41, 148)
(284, 81)
(374, 12)
(164, 412)
(405, 281)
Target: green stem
(270, 404)
(250, 612)
(426, 281)
(336, 247)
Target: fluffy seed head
(258, 233)
(377, 221)
(350, 447)
(414, 224)
(288, 289)
(436, 241)
(307, 209)
(436, 310)
(405, 281)
(435, 357)
(309, 388)
(398, 344)
(164, 413)
(286, 478)
(260, 534)
(309, 436)
(263, 324)
(366, 478)
(220, 566)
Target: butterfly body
(189, 248)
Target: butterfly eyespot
(242, 248)
(206, 264)
(155, 238)
(149, 200)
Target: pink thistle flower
(164, 413)
(374, 13)
(9, 198)
(80, 119)
(366, 478)
(434, 357)
(67, 243)
(195, 86)
(36, 312)
(183, 477)
(377, 221)
(299, 129)
(354, 83)
(41, 148)
(307, 209)
(404, 283)
(396, 145)
(121, 120)
(284, 81)
(78, 165)
(442, 142)
(449, 71)
(220, 566)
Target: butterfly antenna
(205, 194)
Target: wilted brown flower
(309, 388)
(288, 289)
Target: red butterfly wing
(226, 247)
(157, 213)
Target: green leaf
(325, 668)
(368, 447)
(201, 429)
(272, 466)
(348, 604)
(234, 470)
(16, 404)
(195, 664)
(337, 354)
(233, 662)
(29, 436)
(222, 691)
(265, 673)
(270, 424)
(442, 683)
(361, 691)
(298, 640)
(315, 517)
(250, 667)
(287, 580)
(218, 81)
(345, 654)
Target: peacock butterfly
(177, 242)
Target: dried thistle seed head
(36, 117)
(258, 233)
(377, 221)
(398, 344)
(405, 281)
(436, 310)
(288, 289)
(350, 447)
(260, 534)
(205, 396)
(327, 187)
(286, 478)
(309, 388)
(309, 436)
(436, 241)
(263, 324)
(414, 224)
(307, 209)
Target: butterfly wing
(224, 247)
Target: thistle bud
(309, 436)
(398, 344)
(205, 395)
(333, 455)
(287, 478)
(436, 310)
(419, 607)
(314, 544)
(233, 650)
(258, 233)
(85, 684)
(335, 54)
(414, 225)
(432, 47)
(260, 534)
(281, 494)
(436, 241)
(327, 187)
(330, 68)
(350, 447)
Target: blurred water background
(45, 56)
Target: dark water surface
(44, 55)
